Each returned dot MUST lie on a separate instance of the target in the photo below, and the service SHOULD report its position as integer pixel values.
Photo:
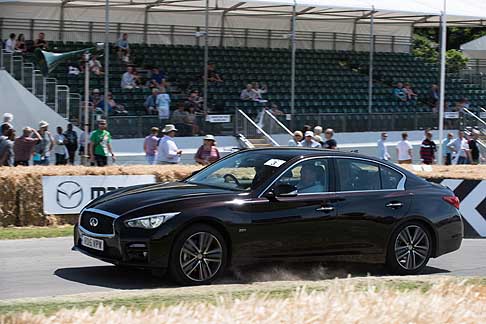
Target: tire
(198, 256)
(409, 249)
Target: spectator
(460, 149)
(95, 65)
(83, 138)
(43, 148)
(330, 142)
(123, 48)
(95, 98)
(113, 107)
(461, 104)
(129, 79)
(157, 79)
(24, 146)
(404, 150)
(169, 153)
(207, 153)
(446, 150)
(40, 42)
(191, 121)
(474, 147)
(151, 102)
(309, 140)
(428, 149)
(410, 94)
(382, 149)
(163, 104)
(71, 143)
(150, 145)
(259, 91)
(100, 145)
(60, 147)
(213, 75)
(434, 96)
(399, 92)
(194, 100)
(318, 130)
(20, 44)
(10, 44)
(296, 140)
(6, 147)
(179, 118)
(318, 139)
(275, 111)
(8, 119)
(306, 129)
(248, 94)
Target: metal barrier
(50, 88)
(62, 104)
(17, 68)
(75, 108)
(7, 61)
(246, 126)
(28, 71)
(38, 85)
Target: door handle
(325, 208)
(394, 205)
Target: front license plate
(92, 243)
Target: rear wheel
(198, 256)
(409, 249)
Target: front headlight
(151, 221)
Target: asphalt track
(48, 267)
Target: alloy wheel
(201, 256)
(412, 247)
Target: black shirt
(330, 144)
(473, 146)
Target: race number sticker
(274, 163)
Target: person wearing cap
(330, 142)
(297, 139)
(100, 145)
(42, 150)
(309, 140)
(169, 153)
(428, 149)
(474, 147)
(150, 145)
(382, 149)
(207, 153)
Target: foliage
(455, 60)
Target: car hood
(127, 199)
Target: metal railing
(62, 104)
(274, 126)
(50, 94)
(250, 129)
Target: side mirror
(284, 190)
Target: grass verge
(15, 233)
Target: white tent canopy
(475, 49)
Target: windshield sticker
(274, 163)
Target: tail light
(453, 200)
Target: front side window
(308, 177)
(357, 175)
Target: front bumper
(136, 251)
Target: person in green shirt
(100, 144)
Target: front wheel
(198, 255)
(409, 249)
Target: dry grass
(342, 302)
(467, 172)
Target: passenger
(310, 179)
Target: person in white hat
(42, 150)
(169, 153)
(309, 140)
(207, 153)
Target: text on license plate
(92, 243)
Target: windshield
(243, 171)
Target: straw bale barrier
(21, 187)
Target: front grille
(104, 223)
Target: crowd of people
(464, 149)
(403, 92)
(314, 138)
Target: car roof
(304, 151)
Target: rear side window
(389, 178)
(357, 175)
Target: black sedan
(277, 204)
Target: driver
(310, 179)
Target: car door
(370, 196)
(290, 226)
